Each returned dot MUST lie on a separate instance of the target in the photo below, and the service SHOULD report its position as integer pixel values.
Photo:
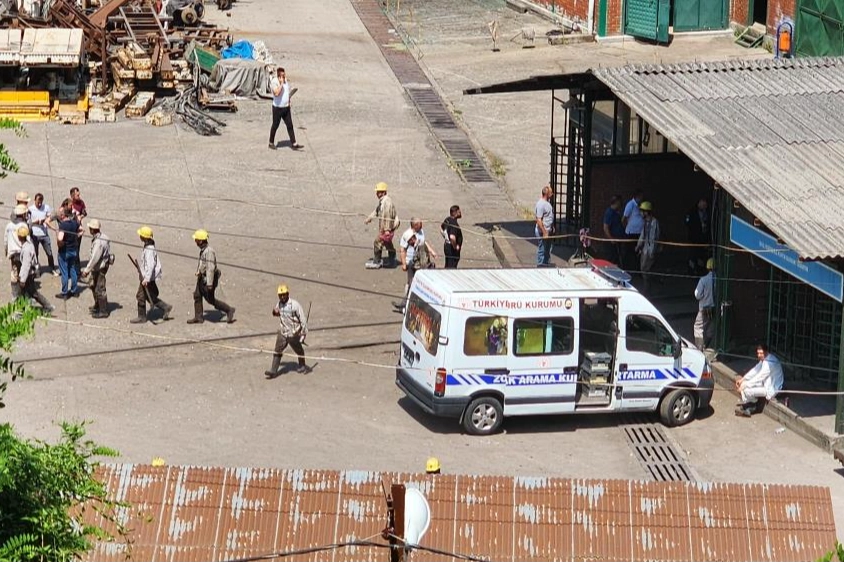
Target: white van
(479, 345)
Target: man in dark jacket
(699, 227)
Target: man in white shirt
(764, 380)
(281, 109)
(633, 223)
(416, 254)
(40, 217)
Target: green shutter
(820, 28)
(699, 15)
(647, 19)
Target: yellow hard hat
(22, 197)
(432, 465)
(381, 187)
(710, 264)
(145, 232)
(20, 209)
(282, 289)
(94, 225)
(646, 206)
(201, 234)
(23, 231)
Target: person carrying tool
(705, 295)
(385, 212)
(97, 268)
(149, 271)
(207, 279)
(293, 329)
(28, 269)
(13, 246)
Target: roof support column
(839, 402)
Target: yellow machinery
(26, 106)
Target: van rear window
(423, 322)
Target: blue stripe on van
(530, 379)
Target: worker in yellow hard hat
(705, 295)
(432, 466)
(292, 330)
(388, 222)
(207, 280)
(648, 243)
(28, 267)
(13, 245)
(149, 272)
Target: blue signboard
(828, 281)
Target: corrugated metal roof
(210, 513)
(507, 280)
(770, 132)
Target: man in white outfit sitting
(764, 380)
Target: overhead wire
(348, 214)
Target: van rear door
(421, 350)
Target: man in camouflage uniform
(97, 268)
(388, 222)
(28, 268)
(207, 278)
(293, 328)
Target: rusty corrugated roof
(182, 513)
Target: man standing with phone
(281, 109)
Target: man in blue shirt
(614, 230)
(68, 242)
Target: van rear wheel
(678, 407)
(483, 416)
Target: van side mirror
(678, 349)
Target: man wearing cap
(388, 222)
(40, 217)
(29, 265)
(293, 328)
(705, 295)
(101, 258)
(149, 267)
(21, 198)
(13, 246)
(207, 278)
(68, 243)
(648, 243)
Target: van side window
(485, 336)
(546, 337)
(648, 334)
(423, 322)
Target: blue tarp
(239, 50)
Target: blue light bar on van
(611, 272)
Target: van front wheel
(678, 407)
(483, 416)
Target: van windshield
(423, 322)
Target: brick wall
(568, 8)
(779, 10)
(615, 16)
(739, 11)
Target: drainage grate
(656, 454)
(419, 89)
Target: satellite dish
(417, 516)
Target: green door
(699, 15)
(820, 28)
(647, 19)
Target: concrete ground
(197, 394)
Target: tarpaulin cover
(243, 77)
(239, 50)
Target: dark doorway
(760, 11)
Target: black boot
(391, 260)
(273, 371)
(227, 309)
(142, 314)
(303, 367)
(101, 311)
(166, 308)
(197, 314)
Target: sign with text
(828, 281)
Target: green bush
(45, 492)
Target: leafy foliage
(17, 319)
(45, 491)
(7, 163)
(836, 554)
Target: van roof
(513, 280)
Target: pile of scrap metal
(116, 51)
